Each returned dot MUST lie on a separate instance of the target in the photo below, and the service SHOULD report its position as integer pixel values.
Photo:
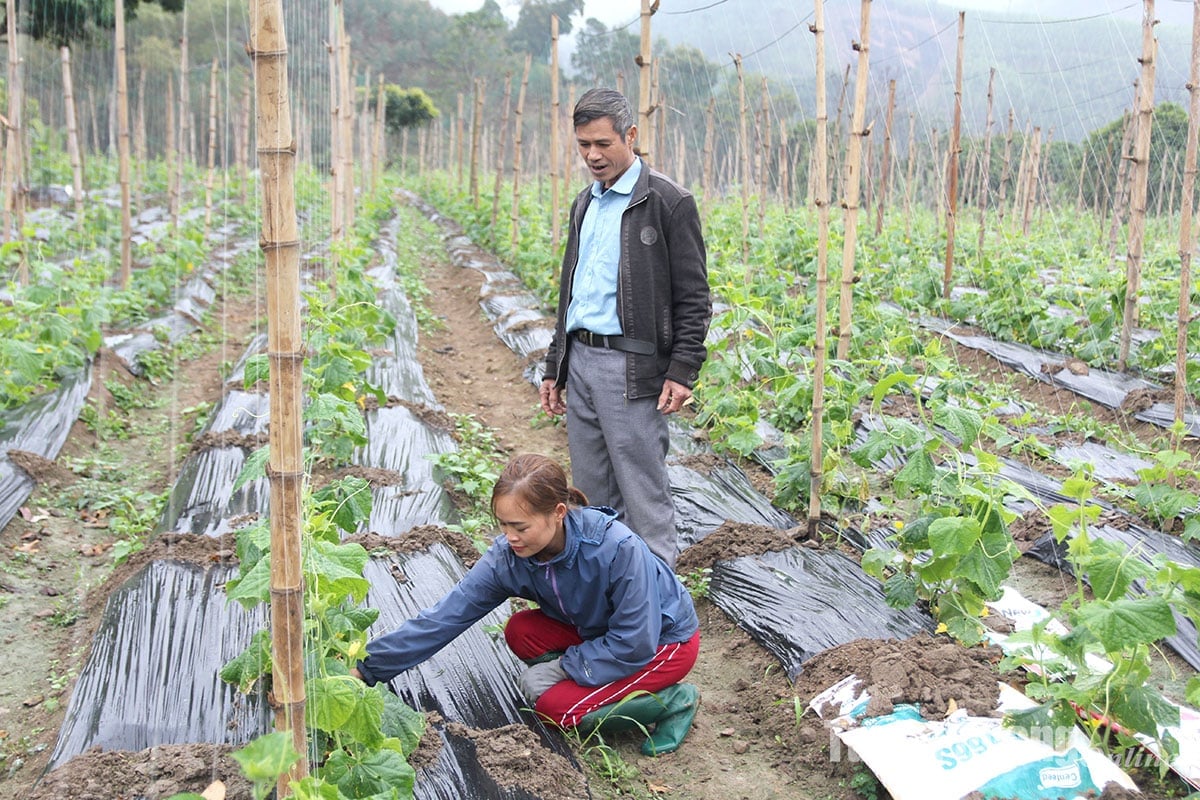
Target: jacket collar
(590, 523)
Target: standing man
(633, 311)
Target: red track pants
(531, 634)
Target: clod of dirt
(733, 540)
(228, 438)
(1141, 399)
(157, 772)
(928, 670)
(418, 539)
(43, 471)
(515, 758)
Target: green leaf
(258, 368)
(332, 701)
(876, 561)
(900, 590)
(254, 468)
(374, 773)
(1110, 569)
(989, 562)
(885, 385)
(1127, 622)
(743, 440)
(336, 569)
(254, 662)
(1143, 709)
(963, 423)
(267, 757)
(401, 721)
(953, 535)
(351, 501)
(254, 587)
(916, 477)
(874, 449)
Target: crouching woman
(614, 632)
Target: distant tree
(61, 22)
(406, 108)
(600, 54)
(1168, 139)
(531, 34)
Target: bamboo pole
(858, 135)
(952, 168)
(744, 177)
(243, 148)
(834, 167)
(123, 147)
(785, 167)
(1162, 185)
(645, 130)
(210, 177)
(910, 173)
(1139, 184)
(985, 172)
(377, 139)
(885, 168)
(337, 212)
(555, 115)
(139, 136)
(476, 133)
(762, 155)
(73, 149)
(185, 107)
(346, 122)
(1122, 188)
(1032, 176)
(458, 141)
(821, 199)
(14, 181)
(500, 152)
(1006, 170)
(172, 157)
(516, 195)
(1184, 316)
(285, 354)
(706, 187)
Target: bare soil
(752, 738)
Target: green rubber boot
(680, 703)
(670, 711)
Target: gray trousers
(619, 447)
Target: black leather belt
(612, 342)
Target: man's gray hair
(599, 103)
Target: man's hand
(674, 396)
(552, 399)
(540, 677)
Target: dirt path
(747, 740)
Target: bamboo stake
(710, 116)
(555, 114)
(910, 176)
(1162, 185)
(337, 214)
(1031, 181)
(458, 141)
(243, 146)
(476, 132)
(985, 172)
(1173, 191)
(95, 128)
(14, 183)
(785, 170)
(172, 157)
(744, 178)
(212, 146)
(122, 147)
(185, 102)
(952, 180)
(886, 167)
(516, 196)
(834, 167)
(500, 152)
(1139, 184)
(858, 135)
(73, 136)
(645, 137)
(377, 151)
(346, 121)
(139, 135)
(1186, 246)
(821, 198)
(569, 143)
(285, 355)
(762, 155)
(1122, 190)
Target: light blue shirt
(593, 303)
